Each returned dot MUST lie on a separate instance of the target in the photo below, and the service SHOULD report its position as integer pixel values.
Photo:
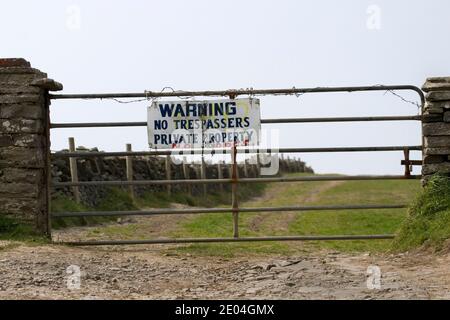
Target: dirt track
(148, 272)
(142, 272)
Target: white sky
(132, 46)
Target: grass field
(349, 222)
(425, 222)
(428, 222)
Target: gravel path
(143, 272)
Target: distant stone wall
(436, 127)
(23, 142)
(149, 168)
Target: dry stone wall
(23, 142)
(436, 127)
(147, 168)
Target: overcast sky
(132, 46)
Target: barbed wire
(181, 95)
(403, 99)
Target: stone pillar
(24, 143)
(436, 128)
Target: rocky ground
(145, 272)
(161, 272)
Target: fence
(199, 168)
(235, 180)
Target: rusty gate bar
(244, 180)
(263, 121)
(244, 239)
(234, 209)
(234, 195)
(225, 210)
(84, 154)
(235, 93)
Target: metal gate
(234, 209)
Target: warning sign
(208, 124)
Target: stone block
(20, 208)
(441, 86)
(443, 167)
(438, 96)
(22, 140)
(20, 75)
(14, 62)
(432, 110)
(436, 129)
(17, 88)
(436, 141)
(22, 157)
(47, 84)
(10, 175)
(436, 84)
(430, 159)
(444, 151)
(21, 126)
(447, 116)
(432, 117)
(19, 190)
(20, 98)
(22, 111)
(438, 104)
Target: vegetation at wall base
(342, 222)
(428, 222)
(13, 229)
(118, 199)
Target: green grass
(212, 198)
(116, 199)
(140, 229)
(428, 222)
(358, 222)
(13, 229)
(163, 200)
(346, 222)
(220, 225)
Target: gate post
(74, 170)
(186, 175)
(129, 168)
(436, 128)
(24, 143)
(168, 174)
(220, 174)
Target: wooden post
(245, 169)
(234, 196)
(129, 164)
(407, 163)
(258, 166)
(220, 175)
(203, 175)
(168, 175)
(74, 170)
(186, 174)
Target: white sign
(208, 124)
